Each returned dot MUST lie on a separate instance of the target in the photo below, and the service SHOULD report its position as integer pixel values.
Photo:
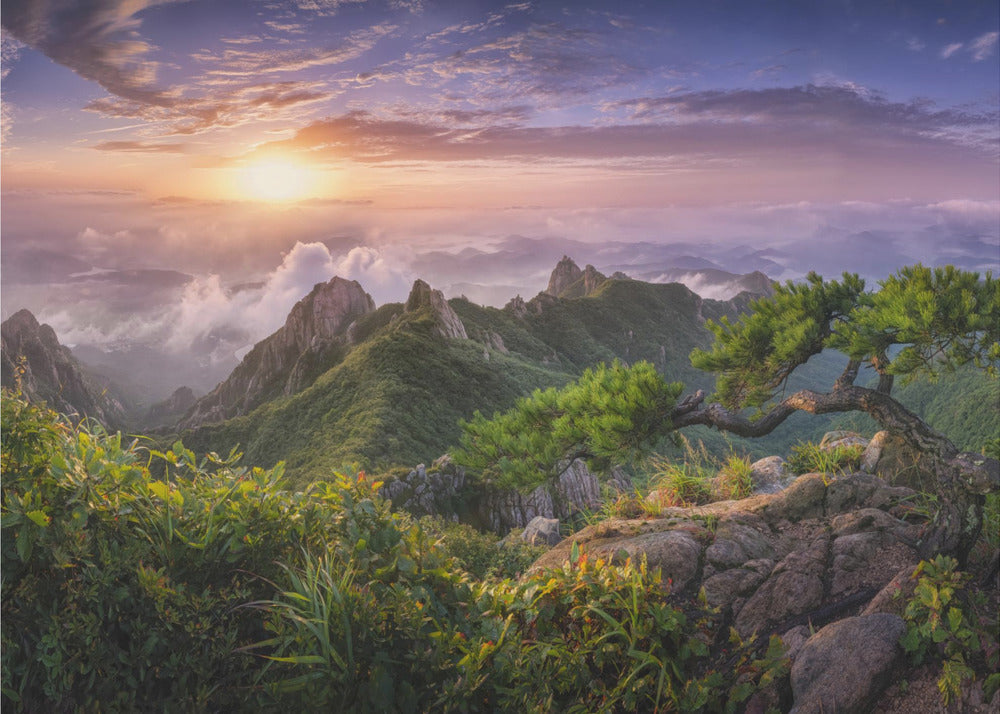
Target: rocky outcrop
(889, 456)
(577, 489)
(448, 324)
(437, 491)
(312, 338)
(770, 474)
(170, 409)
(565, 274)
(815, 553)
(542, 531)
(46, 371)
(568, 281)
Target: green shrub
(482, 555)
(946, 621)
(122, 591)
(213, 589)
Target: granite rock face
(448, 323)
(46, 371)
(777, 564)
(314, 335)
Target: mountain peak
(565, 274)
(284, 362)
(45, 370)
(423, 295)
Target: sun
(275, 179)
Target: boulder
(845, 666)
(770, 474)
(796, 586)
(893, 460)
(542, 531)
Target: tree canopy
(608, 414)
(921, 321)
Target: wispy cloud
(984, 46)
(948, 50)
(140, 147)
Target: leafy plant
(945, 622)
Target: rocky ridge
(314, 334)
(45, 370)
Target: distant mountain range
(344, 381)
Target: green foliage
(121, 591)
(808, 458)
(698, 477)
(485, 556)
(944, 318)
(945, 621)
(754, 355)
(395, 399)
(212, 589)
(940, 319)
(610, 415)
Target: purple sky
(473, 144)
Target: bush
(213, 589)
(948, 622)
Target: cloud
(140, 147)
(100, 41)
(915, 44)
(983, 46)
(97, 39)
(708, 125)
(223, 106)
(948, 50)
(234, 62)
(768, 72)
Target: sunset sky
(473, 143)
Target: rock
(517, 307)
(448, 323)
(794, 587)
(804, 498)
(794, 640)
(542, 531)
(171, 408)
(845, 666)
(46, 371)
(576, 489)
(770, 474)
(565, 274)
(893, 460)
(437, 492)
(290, 358)
(676, 553)
(726, 588)
(893, 597)
(738, 541)
(834, 439)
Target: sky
(179, 173)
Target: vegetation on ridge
(214, 589)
